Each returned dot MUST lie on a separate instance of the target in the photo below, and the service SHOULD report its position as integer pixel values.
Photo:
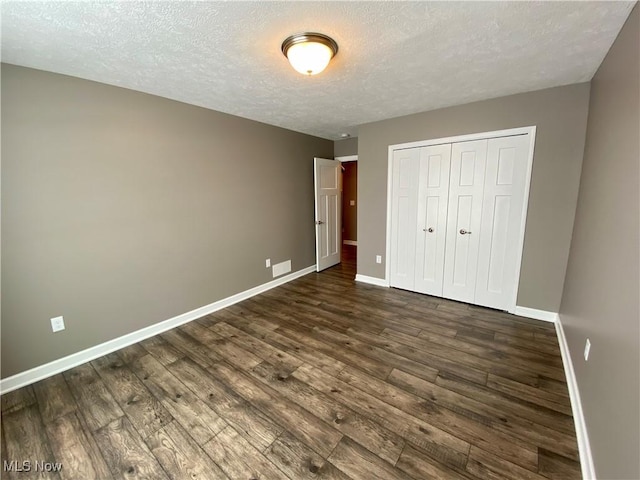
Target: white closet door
(503, 216)
(404, 192)
(433, 197)
(468, 162)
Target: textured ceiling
(395, 58)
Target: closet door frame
(530, 131)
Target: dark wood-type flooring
(322, 378)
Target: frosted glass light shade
(309, 58)
(309, 53)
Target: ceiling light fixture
(309, 53)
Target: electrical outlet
(267, 263)
(587, 349)
(378, 258)
(57, 324)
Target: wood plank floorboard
(322, 378)
(76, 449)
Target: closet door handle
(464, 232)
(430, 230)
(319, 222)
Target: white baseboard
(350, 242)
(536, 314)
(380, 282)
(584, 447)
(57, 366)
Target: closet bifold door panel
(503, 217)
(433, 198)
(466, 185)
(404, 203)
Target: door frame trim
(531, 131)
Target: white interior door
(468, 163)
(433, 197)
(503, 215)
(404, 196)
(328, 190)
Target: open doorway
(350, 203)
(349, 207)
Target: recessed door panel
(467, 168)
(404, 195)
(435, 164)
(429, 269)
(468, 162)
(331, 234)
(328, 177)
(403, 256)
(505, 165)
(461, 242)
(497, 247)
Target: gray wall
(561, 117)
(343, 148)
(601, 291)
(121, 209)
